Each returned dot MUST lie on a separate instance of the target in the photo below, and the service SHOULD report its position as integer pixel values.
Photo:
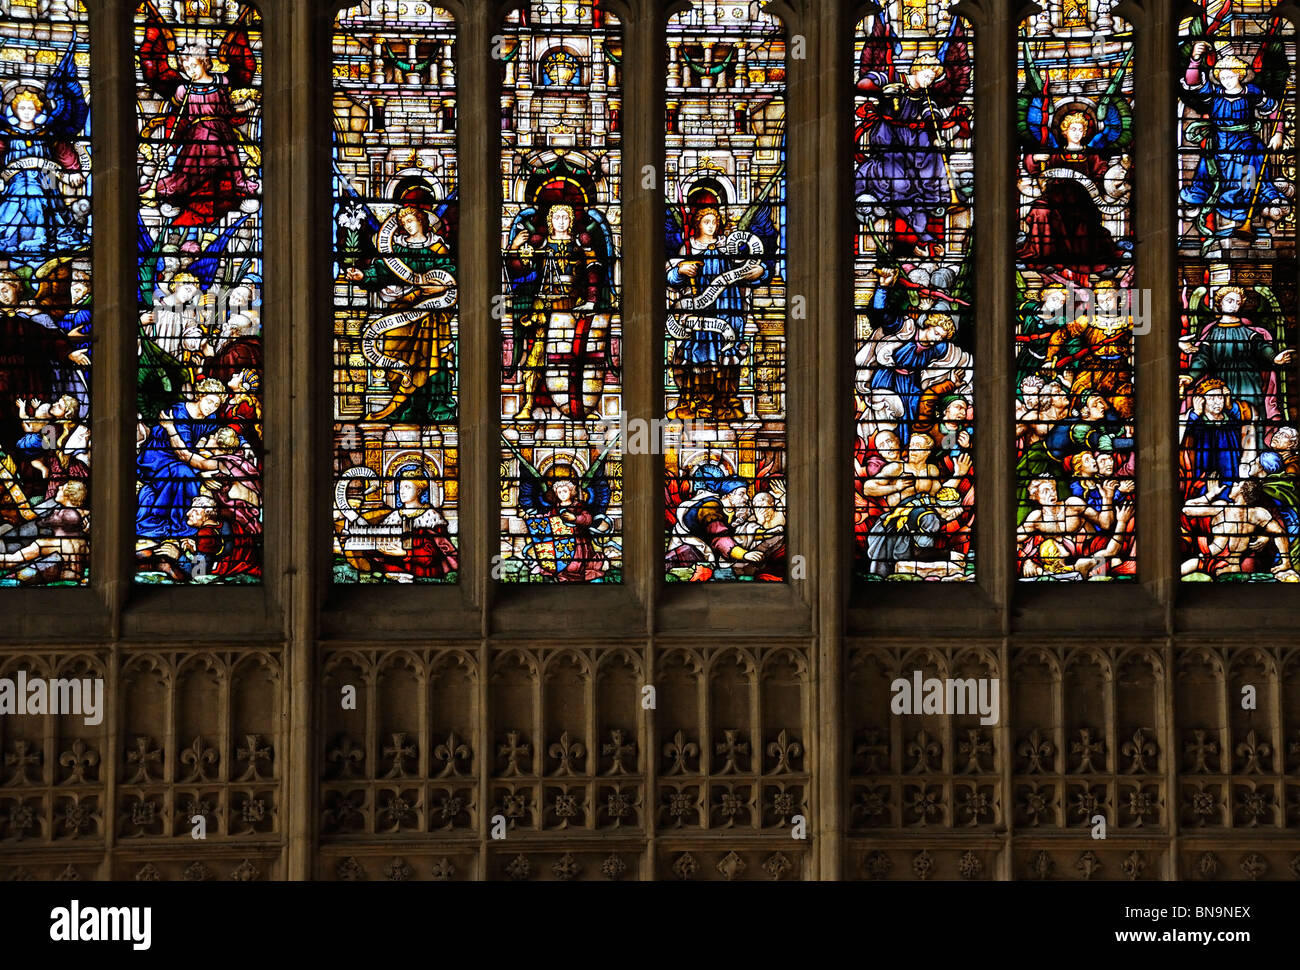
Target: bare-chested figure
(1057, 531)
(62, 555)
(1237, 527)
(915, 474)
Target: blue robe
(1215, 446)
(35, 221)
(167, 485)
(1230, 176)
(732, 304)
(904, 379)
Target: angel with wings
(41, 162)
(1077, 172)
(559, 265)
(565, 514)
(207, 163)
(1240, 122)
(902, 168)
(1243, 352)
(712, 278)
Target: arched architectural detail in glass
(724, 437)
(198, 394)
(560, 304)
(914, 171)
(396, 322)
(1076, 297)
(45, 301)
(1239, 403)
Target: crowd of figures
(199, 418)
(45, 325)
(1238, 407)
(1074, 404)
(914, 451)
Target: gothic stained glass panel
(1238, 403)
(561, 238)
(396, 207)
(45, 303)
(198, 393)
(723, 439)
(1076, 296)
(914, 496)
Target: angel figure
(38, 129)
(1076, 156)
(200, 145)
(711, 280)
(414, 343)
(565, 515)
(1242, 354)
(902, 166)
(1240, 122)
(558, 267)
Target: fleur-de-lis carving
(730, 749)
(925, 750)
(142, 756)
(1137, 751)
(1198, 749)
(567, 752)
(80, 758)
(199, 757)
(512, 750)
(1087, 748)
(450, 751)
(252, 752)
(347, 755)
(618, 748)
(21, 760)
(784, 751)
(873, 749)
(1134, 865)
(1255, 754)
(976, 744)
(679, 749)
(1037, 752)
(400, 752)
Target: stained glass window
(561, 239)
(1238, 404)
(1076, 296)
(914, 496)
(723, 437)
(198, 394)
(396, 206)
(45, 303)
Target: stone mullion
(1227, 763)
(537, 767)
(478, 150)
(829, 747)
(590, 770)
(1155, 222)
(478, 133)
(1173, 758)
(114, 282)
(1005, 762)
(648, 763)
(641, 294)
(994, 234)
(302, 71)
